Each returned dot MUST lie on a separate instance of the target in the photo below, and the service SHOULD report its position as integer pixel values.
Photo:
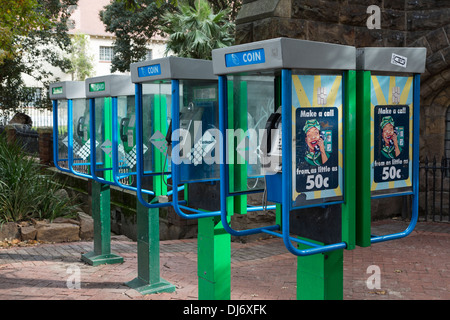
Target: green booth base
(95, 259)
(320, 276)
(143, 287)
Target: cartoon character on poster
(317, 155)
(391, 138)
(391, 148)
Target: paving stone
(413, 268)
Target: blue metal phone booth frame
(282, 55)
(148, 280)
(115, 86)
(387, 62)
(101, 253)
(213, 268)
(174, 69)
(70, 91)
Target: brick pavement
(413, 268)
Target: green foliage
(195, 31)
(135, 22)
(81, 63)
(18, 18)
(232, 5)
(25, 192)
(133, 27)
(32, 49)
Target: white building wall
(86, 21)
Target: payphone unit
(180, 96)
(70, 139)
(388, 111)
(302, 150)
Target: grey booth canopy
(172, 68)
(67, 90)
(109, 86)
(283, 53)
(398, 60)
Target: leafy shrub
(25, 191)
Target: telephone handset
(271, 143)
(83, 130)
(187, 119)
(80, 125)
(123, 135)
(391, 141)
(316, 147)
(127, 132)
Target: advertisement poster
(318, 153)
(391, 140)
(391, 132)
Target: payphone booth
(388, 96)
(65, 96)
(183, 92)
(71, 117)
(71, 135)
(112, 103)
(180, 96)
(299, 98)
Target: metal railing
(39, 117)
(26, 137)
(436, 189)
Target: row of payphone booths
(297, 124)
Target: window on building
(34, 96)
(106, 53)
(149, 55)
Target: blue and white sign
(148, 71)
(244, 58)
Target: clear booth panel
(126, 121)
(63, 137)
(251, 101)
(156, 117)
(81, 136)
(103, 137)
(200, 139)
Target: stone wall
(424, 23)
(123, 210)
(415, 23)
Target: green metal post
(149, 279)
(350, 161)
(214, 259)
(101, 214)
(321, 276)
(363, 161)
(214, 249)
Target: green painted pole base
(148, 280)
(143, 287)
(94, 259)
(102, 228)
(214, 260)
(321, 276)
